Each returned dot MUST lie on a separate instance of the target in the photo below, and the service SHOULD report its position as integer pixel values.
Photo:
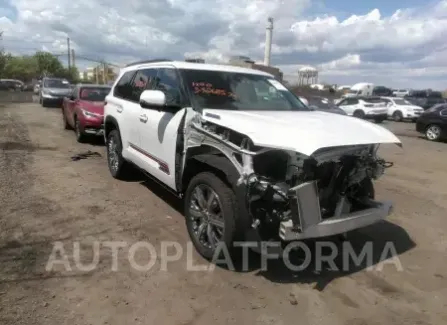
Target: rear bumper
(306, 221)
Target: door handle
(119, 109)
(143, 118)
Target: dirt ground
(45, 197)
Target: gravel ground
(45, 198)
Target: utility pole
(73, 60)
(68, 53)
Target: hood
(301, 131)
(94, 107)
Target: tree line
(29, 67)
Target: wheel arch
(208, 158)
(110, 124)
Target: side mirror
(71, 97)
(156, 99)
(152, 99)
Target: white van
(360, 89)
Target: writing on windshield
(207, 88)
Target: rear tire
(64, 121)
(359, 114)
(397, 116)
(212, 222)
(118, 166)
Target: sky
(397, 44)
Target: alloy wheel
(206, 214)
(112, 153)
(433, 132)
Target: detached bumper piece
(307, 223)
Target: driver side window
(168, 82)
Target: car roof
(182, 65)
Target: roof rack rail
(148, 61)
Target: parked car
(400, 109)
(37, 88)
(83, 110)
(324, 105)
(11, 85)
(245, 163)
(424, 98)
(368, 108)
(382, 91)
(53, 91)
(433, 123)
(401, 92)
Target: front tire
(433, 132)
(210, 211)
(118, 166)
(80, 135)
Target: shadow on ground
(323, 261)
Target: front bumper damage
(306, 221)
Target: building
(102, 73)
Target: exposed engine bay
(333, 182)
(338, 174)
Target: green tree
(48, 64)
(20, 67)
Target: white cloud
(404, 49)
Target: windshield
(93, 94)
(240, 91)
(56, 83)
(401, 102)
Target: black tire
(359, 114)
(228, 207)
(64, 121)
(397, 116)
(43, 102)
(114, 147)
(81, 137)
(433, 132)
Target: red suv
(83, 111)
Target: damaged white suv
(249, 159)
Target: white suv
(249, 159)
(370, 108)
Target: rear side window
(123, 88)
(144, 80)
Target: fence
(16, 97)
